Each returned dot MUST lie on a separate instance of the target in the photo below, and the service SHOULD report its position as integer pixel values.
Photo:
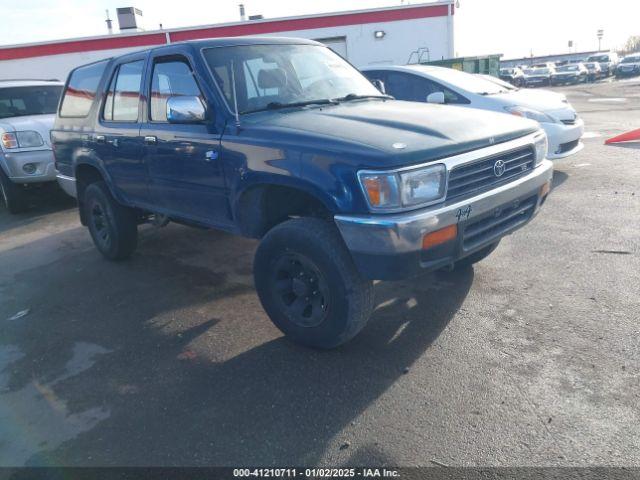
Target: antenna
(235, 96)
(108, 21)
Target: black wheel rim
(100, 224)
(300, 289)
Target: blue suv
(283, 140)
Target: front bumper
(564, 140)
(389, 247)
(43, 160)
(68, 184)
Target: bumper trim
(68, 184)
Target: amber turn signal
(545, 189)
(439, 236)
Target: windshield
(630, 59)
(599, 58)
(268, 76)
(22, 101)
(568, 68)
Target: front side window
(283, 74)
(404, 86)
(23, 101)
(81, 90)
(123, 98)
(170, 79)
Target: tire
(308, 284)
(113, 227)
(466, 262)
(14, 196)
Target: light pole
(600, 34)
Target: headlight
(530, 113)
(541, 146)
(388, 191)
(26, 139)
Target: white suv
(27, 112)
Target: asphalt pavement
(530, 358)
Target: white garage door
(337, 44)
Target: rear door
(117, 135)
(186, 174)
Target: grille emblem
(498, 168)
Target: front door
(186, 175)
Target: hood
(566, 74)
(544, 101)
(40, 123)
(376, 129)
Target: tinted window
(404, 86)
(170, 79)
(21, 101)
(81, 90)
(123, 97)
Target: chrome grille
(475, 177)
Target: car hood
(544, 101)
(565, 74)
(392, 133)
(40, 123)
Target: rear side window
(81, 90)
(170, 79)
(123, 97)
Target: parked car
(570, 74)
(594, 72)
(629, 66)
(27, 112)
(608, 62)
(538, 76)
(514, 76)
(433, 84)
(283, 140)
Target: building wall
(402, 36)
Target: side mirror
(435, 97)
(379, 84)
(185, 109)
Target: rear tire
(476, 257)
(14, 196)
(113, 227)
(308, 284)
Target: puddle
(34, 418)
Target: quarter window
(123, 97)
(81, 90)
(171, 79)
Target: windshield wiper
(279, 105)
(355, 96)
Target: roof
(29, 83)
(233, 29)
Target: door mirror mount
(185, 109)
(435, 97)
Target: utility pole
(600, 34)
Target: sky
(512, 27)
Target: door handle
(150, 140)
(100, 138)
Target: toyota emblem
(498, 168)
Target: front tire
(113, 227)
(308, 284)
(14, 196)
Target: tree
(632, 45)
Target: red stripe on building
(82, 46)
(246, 28)
(337, 20)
